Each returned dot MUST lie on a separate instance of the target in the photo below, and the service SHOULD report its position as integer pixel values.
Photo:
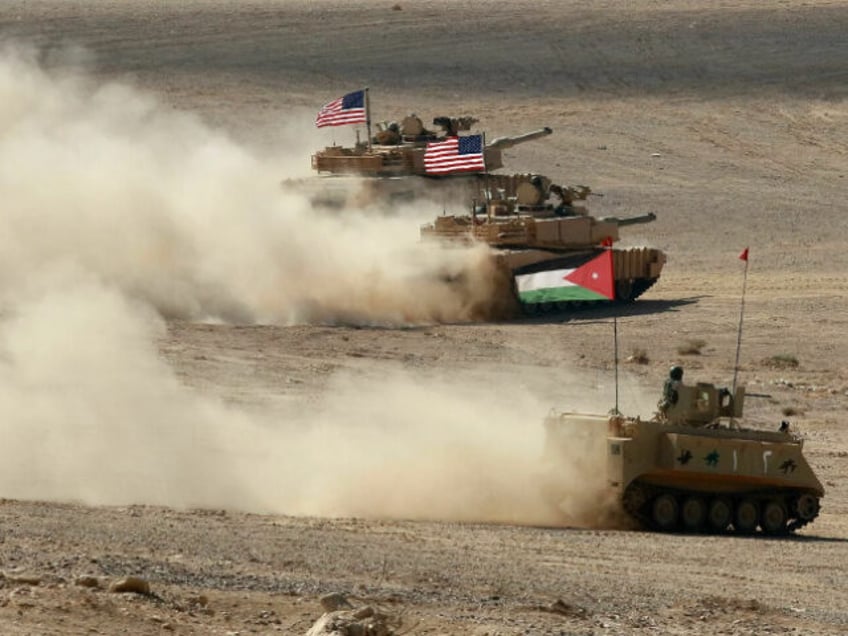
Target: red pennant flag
(744, 255)
(596, 275)
(607, 242)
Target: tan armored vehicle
(390, 166)
(693, 467)
(540, 233)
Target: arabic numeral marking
(766, 455)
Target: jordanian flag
(590, 281)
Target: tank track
(800, 508)
(639, 287)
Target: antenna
(367, 118)
(615, 353)
(743, 256)
(607, 275)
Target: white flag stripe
(344, 118)
(543, 280)
(455, 154)
(348, 109)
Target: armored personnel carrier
(390, 166)
(541, 235)
(693, 467)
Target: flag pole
(368, 117)
(487, 192)
(615, 354)
(610, 294)
(744, 257)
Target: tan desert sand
(251, 404)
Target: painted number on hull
(766, 455)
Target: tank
(536, 229)
(694, 467)
(389, 167)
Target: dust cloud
(118, 214)
(425, 447)
(92, 413)
(172, 212)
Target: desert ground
(250, 404)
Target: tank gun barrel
(633, 220)
(508, 142)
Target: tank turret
(555, 232)
(390, 166)
(397, 150)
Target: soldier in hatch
(670, 396)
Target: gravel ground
(244, 409)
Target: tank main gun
(492, 152)
(502, 143)
(639, 219)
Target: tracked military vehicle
(693, 467)
(540, 234)
(389, 168)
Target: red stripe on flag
(335, 113)
(445, 157)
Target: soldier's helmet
(676, 373)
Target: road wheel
(624, 290)
(808, 507)
(720, 514)
(693, 514)
(634, 499)
(664, 512)
(774, 517)
(747, 516)
(531, 309)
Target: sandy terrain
(249, 404)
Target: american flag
(349, 109)
(455, 154)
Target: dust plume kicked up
(92, 413)
(418, 447)
(154, 202)
(118, 213)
